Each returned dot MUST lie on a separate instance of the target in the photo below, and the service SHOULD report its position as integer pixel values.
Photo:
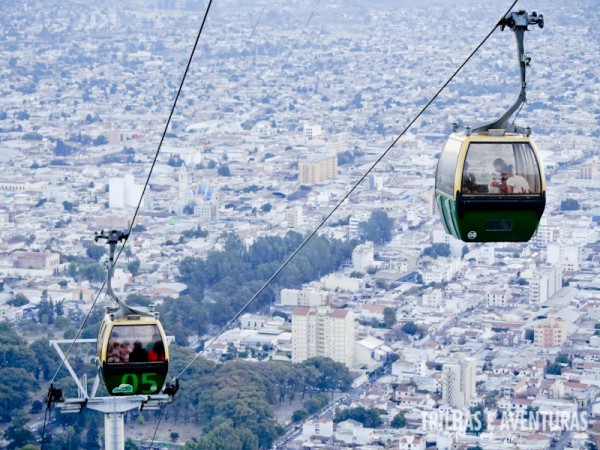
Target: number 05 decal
(149, 383)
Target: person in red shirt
(157, 352)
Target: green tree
(529, 334)
(63, 149)
(19, 300)
(68, 206)
(134, 267)
(411, 328)
(18, 435)
(92, 436)
(378, 228)
(100, 140)
(330, 375)
(561, 358)
(315, 404)
(437, 250)
(95, 252)
(389, 317)
(399, 421)
(36, 407)
(130, 445)
(45, 309)
(369, 417)
(224, 171)
(225, 437)
(569, 204)
(299, 415)
(554, 369)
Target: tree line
(221, 284)
(235, 395)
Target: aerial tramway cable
(345, 197)
(321, 224)
(337, 206)
(52, 392)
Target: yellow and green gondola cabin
(490, 187)
(132, 355)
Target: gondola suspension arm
(519, 23)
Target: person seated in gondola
(508, 182)
(499, 177)
(115, 353)
(516, 184)
(469, 184)
(138, 354)
(125, 351)
(157, 353)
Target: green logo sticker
(123, 389)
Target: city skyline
(273, 92)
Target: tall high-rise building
(311, 131)
(123, 192)
(323, 331)
(318, 168)
(551, 332)
(294, 216)
(544, 284)
(458, 382)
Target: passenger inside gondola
(469, 183)
(499, 176)
(148, 345)
(115, 353)
(157, 353)
(138, 354)
(508, 182)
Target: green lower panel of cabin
(487, 221)
(131, 379)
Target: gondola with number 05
(132, 351)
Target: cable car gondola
(132, 352)
(490, 184)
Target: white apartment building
(564, 255)
(433, 298)
(323, 331)
(546, 234)
(498, 297)
(442, 269)
(458, 382)
(354, 225)
(123, 192)
(375, 183)
(311, 131)
(589, 171)
(207, 212)
(363, 256)
(294, 216)
(544, 285)
(305, 297)
(36, 260)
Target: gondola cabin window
(446, 170)
(500, 168)
(135, 344)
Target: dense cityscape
(281, 128)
